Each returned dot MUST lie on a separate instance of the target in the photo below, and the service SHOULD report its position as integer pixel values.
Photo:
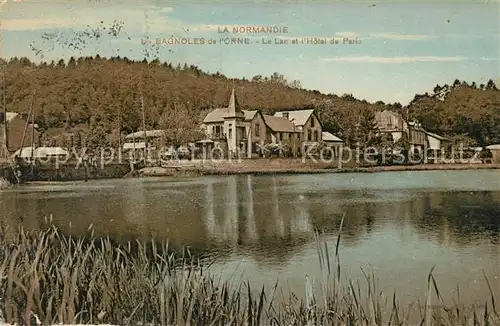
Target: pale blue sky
(406, 48)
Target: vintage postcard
(249, 162)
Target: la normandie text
(254, 29)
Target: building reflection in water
(251, 228)
(210, 220)
(276, 216)
(267, 217)
(231, 222)
(301, 219)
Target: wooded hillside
(94, 97)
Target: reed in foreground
(48, 278)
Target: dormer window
(286, 115)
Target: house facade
(333, 142)
(419, 138)
(495, 151)
(230, 128)
(250, 133)
(307, 123)
(391, 123)
(435, 142)
(282, 133)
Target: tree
(278, 79)
(296, 84)
(365, 126)
(257, 78)
(383, 143)
(180, 126)
(402, 147)
(491, 85)
(72, 62)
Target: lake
(261, 228)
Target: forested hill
(95, 97)
(94, 90)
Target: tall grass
(48, 278)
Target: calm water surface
(261, 228)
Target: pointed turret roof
(233, 109)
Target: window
(230, 135)
(315, 136)
(309, 134)
(257, 130)
(217, 131)
(312, 122)
(285, 136)
(389, 122)
(286, 115)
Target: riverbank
(69, 171)
(273, 166)
(146, 284)
(289, 166)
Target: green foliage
(463, 110)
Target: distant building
(307, 123)
(250, 131)
(41, 153)
(435, 142)
(393, 123)
(332, 141)
(495, 151)
(245, 131)
(137, 140)
(417, 135)
(284, 133)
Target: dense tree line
(93, 99)
(464, 112)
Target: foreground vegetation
(48, 277)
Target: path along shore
(288, 166)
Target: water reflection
(251, 225)
(268, 218)
(400, 223)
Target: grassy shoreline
(52, 278)
(243, 168)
